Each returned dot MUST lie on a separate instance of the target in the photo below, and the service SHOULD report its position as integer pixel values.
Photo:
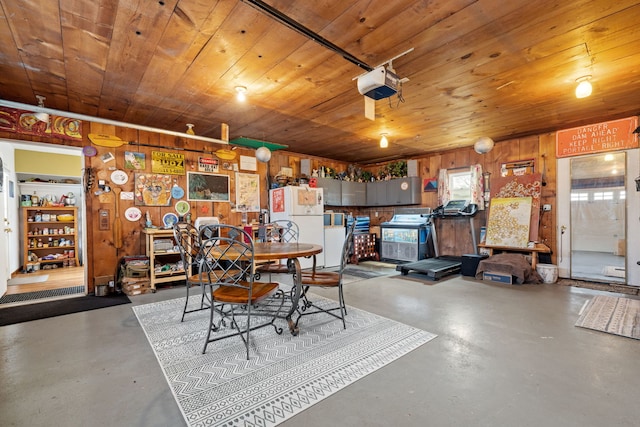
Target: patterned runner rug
(618, 316)
(285, 374)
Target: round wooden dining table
(264, 251)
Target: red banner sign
(606, 136)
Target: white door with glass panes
(599, 218)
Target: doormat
(285, 374)
(362, 273)
(23, 280)
(43, 310)
(613, 315)
(47, 293)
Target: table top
(158, 231)
(538, 247)
(278, 250)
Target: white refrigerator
(304, 206)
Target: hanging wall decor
(153, 189)
(248, 192)
(207, 187)
(509, 220)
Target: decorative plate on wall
(177, 192)
(182, 207)
(133, 214)
(89, 150)
(119, 177)
(169, 219)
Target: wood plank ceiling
(502, 69)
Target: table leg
(534, 259)
(297, 289)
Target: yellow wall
(47, 163)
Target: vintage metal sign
(606, 136)
(208, 164)
(167, 163)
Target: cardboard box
(136, 287)
(497, 276)
(132, 270)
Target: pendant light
(263, 154)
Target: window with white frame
(460, 184)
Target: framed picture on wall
(430, 184)
(153, 189)
(207, 187)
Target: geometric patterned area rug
(285, 374)
(618, 316)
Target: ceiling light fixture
(41, 115)
(241, 93)
(190, 130)
(384, 142)
(584, 87)
(483, 145)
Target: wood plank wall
(454, 235)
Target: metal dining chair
(187, 238)
(226, 266)
(326, 279)
(285, 231)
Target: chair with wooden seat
(285, 231)
(326, 279)
(226, 265)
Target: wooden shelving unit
(163, 257)
(51, 233)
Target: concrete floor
(504, 356)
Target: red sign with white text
(606, 136)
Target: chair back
(227, 256)
(188, 241)
(282, 230)
(346, 247)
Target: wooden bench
(533, 251)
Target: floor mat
(362, 273)
(613, 315)
(28, 296)
(43, 310)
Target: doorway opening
(598, 218)
(47, 258)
